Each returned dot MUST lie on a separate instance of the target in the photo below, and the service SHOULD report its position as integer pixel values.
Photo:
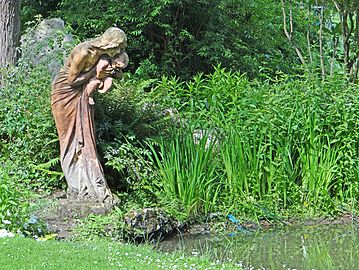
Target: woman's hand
(93, 85)
(108, 72)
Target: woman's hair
(111, 38)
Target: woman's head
(113, 39)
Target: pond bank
(62, 218)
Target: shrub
(168, 37)
(14, 207)
(292, 144)
(125, 118)
(27, 130)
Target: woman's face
(113, 51)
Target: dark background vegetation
(183, 37)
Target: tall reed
(292, 144)
(187, 170)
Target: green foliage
(183, 37)
(130, 160)
(32, 8)
(125, 118)
(13, 206)
(187, 171)
(126, 110)
(95, 227)
(187, 37)
(28, 137)
(112, 226)
(27, 131)
(288, 145)
(15, 214)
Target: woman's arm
(84, 77)
(92, 86)
(77, 62)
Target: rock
(212, 137)
(47, 43)
(80, 209)
(62, 217)
(150, 223)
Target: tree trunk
(289, 34)
(322, 66)
(355, 68)
(9, 31)
(335, 46)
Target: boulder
(150, 223)
(46, 43)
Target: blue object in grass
(233, 219)
(236, 221)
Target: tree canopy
(184, 37)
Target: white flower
(5, 233)
(6, 221)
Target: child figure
(102, 83)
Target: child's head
(120, 60)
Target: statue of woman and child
(91, 67)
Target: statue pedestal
(82, 208)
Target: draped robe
(74, 118)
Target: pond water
(309, 247)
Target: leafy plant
(286, 145)
(27, 130)
(168, 37)
(13, 205)
(15, 214)
(187, 170)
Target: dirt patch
(62, 215)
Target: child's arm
(101, 68)
(107, 83)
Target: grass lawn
(24, 253)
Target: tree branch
(320, 15)
(290, 34)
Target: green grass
(25, 253)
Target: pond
(306, 247)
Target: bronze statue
(74, 116)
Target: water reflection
(310, 247)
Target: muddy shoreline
(62, 216)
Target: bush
(27, 130)
(125, 118)
(292, 144)
(168, 37)
(15, 209)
